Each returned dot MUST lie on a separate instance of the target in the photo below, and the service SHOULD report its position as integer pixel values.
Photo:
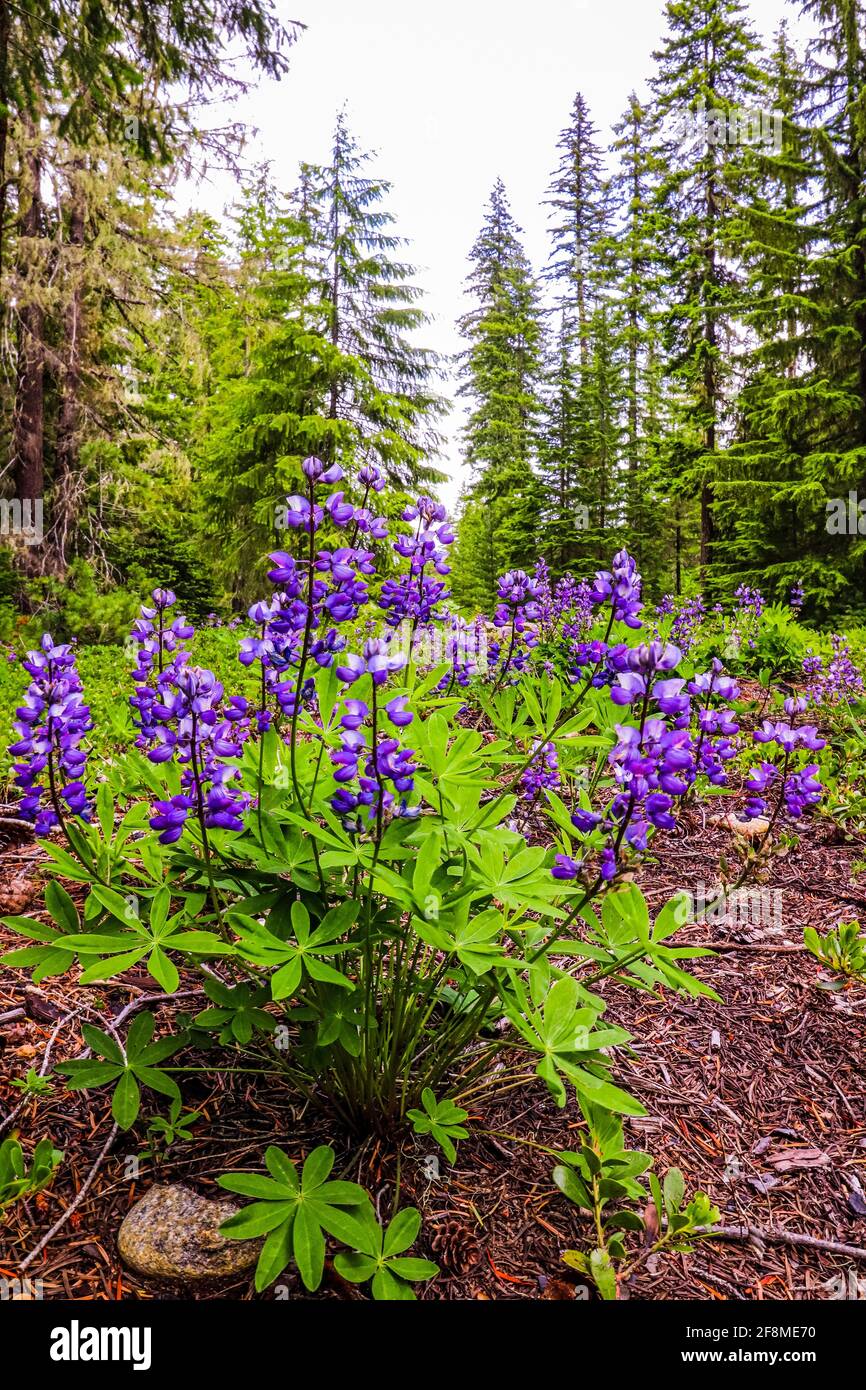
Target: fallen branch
(745, 946)
(833, 1247)
(73, 1205)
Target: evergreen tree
(636, 270)
(767, 513)
(580, 452)
(500, 370)
(706, 66)
(370, 314)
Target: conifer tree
(706, 66)
(370, 314)
(500, 370)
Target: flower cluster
(51, 723)
(621, 587)
(636, 668)
(653, 765)
(716, 727)
(161, 650)
(801, 788)
(199, 730)
(517, 611)
(750, 601)
(840, 681)
(542, 772)
(378, 774)
(465, 650)
(687, 619)
(415, 595)
(314, 596)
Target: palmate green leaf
(308, 1245)
(256, 1185)
(298, 1212)
(88, 1074)
(163, 970)
(107, 969)
(257, 1219)
(61, 907)
(275, 1254)
(355, 1267)
(402, 1232)
(281, 1167)
(126, 1101)
(412, 1267)
(102, 1044)
(389, 1288)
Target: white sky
(451, 95)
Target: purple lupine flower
(621, 587)
(801, 789)
(840, 682)
(378, 661)
(196, 729)
(565, 868)
(715, 726)
(542, 773)
(365, 780)
(637, 683)
(51, 723)
(415, 596)
(161, 647)
(310, 606)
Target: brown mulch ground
(760, 1100)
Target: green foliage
(380, 1258)
(17, 1179)
(294, 1213)
(33, 1085)
(843, 949)
(130, 1067)
(601, 1179)
(441, 1119)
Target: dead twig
(833, 1247)
(73, 1205)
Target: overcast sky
(452, 95)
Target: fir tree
(500, 370)
(706, 66)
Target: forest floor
(759, 1100)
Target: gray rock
(173, 1233)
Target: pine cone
(455, 1246)
(18, 894)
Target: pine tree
(636, 270)
(580, 453)
(370, 314)
(706, 66)
(764, 511)
(500, 370)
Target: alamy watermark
(22, 517)
(846, 516)
(731, 126)
(735, 907)
(21, 1290)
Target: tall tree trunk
(29, 422)
(66, 480)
